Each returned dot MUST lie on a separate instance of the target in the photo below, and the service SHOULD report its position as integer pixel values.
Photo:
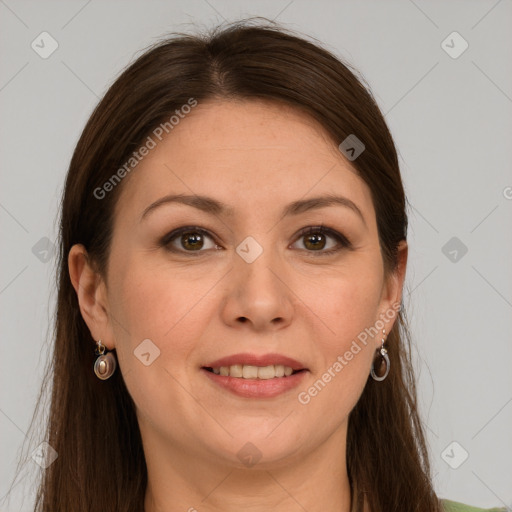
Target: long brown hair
(92, 424)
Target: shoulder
(455, 506)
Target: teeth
(235, 370)
(247, 371)
(267, 372)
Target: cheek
(149, 302)
(168, 309)
(348, 304)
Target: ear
(393, 287)
(92, 295)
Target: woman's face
(244, 280)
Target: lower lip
(257, 388)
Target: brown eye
(316, 239)
(188, 239)
(192, 241)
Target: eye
(193, 239)
(189, 239)
(316, 238)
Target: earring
(377, 372)
(105, 364)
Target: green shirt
(455, 506)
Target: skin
(257, 158)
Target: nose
(258, 295)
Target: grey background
(451, 120)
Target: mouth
(255, 366)
(243, 371)
(255, 382)
(250, 375)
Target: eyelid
(343, 241)
(169, 237)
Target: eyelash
(343, 241)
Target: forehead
(245, 153)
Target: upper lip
(256, 360)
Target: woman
(229, 331)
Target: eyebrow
(215, 207)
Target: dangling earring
(105, 364)
(376, 372)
